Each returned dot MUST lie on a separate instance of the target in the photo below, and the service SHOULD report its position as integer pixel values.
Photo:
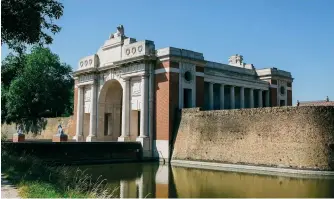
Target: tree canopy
(29, 22)
(34, 86)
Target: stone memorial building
(130, 91)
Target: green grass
(36, 179)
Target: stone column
(232, 97)
(251, 98)
(222, 96)
(210, 95)
(260, 98)
(242, 97)
(267, 99)
(92, 122)
(80, 114)
(125, 111)
(144, 106)
(144, 138)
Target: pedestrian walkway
(7, 189)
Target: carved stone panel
(188, 73)
(87, 94)
(86, 78)
(133, 68)
(135, 88)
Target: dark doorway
(187, 98)
(106, 123)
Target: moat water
(151, 180)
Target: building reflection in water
(151, 180)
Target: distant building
(325, 102)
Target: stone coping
(254, 169)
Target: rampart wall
(289, 137)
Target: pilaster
(232, 97)
(80, 114)
(210, 96)
(222, 96)
(242, 97)
(251, 98)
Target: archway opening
(110, 111)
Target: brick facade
(289, 102)
(200, 92)
(273, 97)
(162, 106)
(166, 100)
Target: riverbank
(35, 179)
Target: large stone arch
(110, 111)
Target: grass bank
(36, 179)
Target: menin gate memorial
(130, 91)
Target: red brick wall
(289, 102)
(273, 96)
(162, 106)
(167, 100)
(200, 92)
(199, 69)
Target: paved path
(7, 189)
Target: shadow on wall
(35, 128)
(177, 121)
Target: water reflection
(140, 180)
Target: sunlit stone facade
(129, 91)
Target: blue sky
(292, 35)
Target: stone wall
(50, 129)
(290, 137)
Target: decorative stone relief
(188, 72)
(282, 88)
(133, 50)
(85, 78)
(140, 48)
(88, 62)
(119, 33)
(87, 94)
(133, 68)
(136, 88)
(236, 60)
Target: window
(282, 102)
(282, 89)
(187, 76)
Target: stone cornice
(84, 71)
(176, 58)
(278, 77)
(135, 59)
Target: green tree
(34, 86)
(29, 22)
